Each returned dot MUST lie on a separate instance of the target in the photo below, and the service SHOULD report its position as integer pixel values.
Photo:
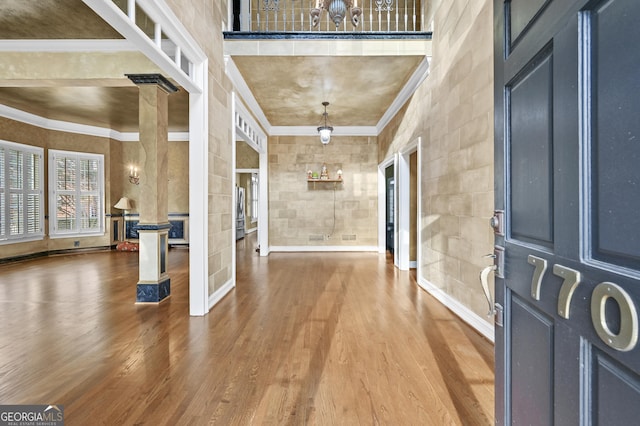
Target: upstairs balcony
(287, 58)
(342, 18)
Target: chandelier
(337, 10)
(325, 130)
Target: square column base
(153, 292)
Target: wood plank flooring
(304, 339)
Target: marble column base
(153, 292)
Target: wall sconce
(134, 176)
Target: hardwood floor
(305, 338)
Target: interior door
(567, 149)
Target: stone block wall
(302, 213)
(205, 20)
(452, 114)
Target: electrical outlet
(76, 243)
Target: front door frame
(382, 202)
(403, 210)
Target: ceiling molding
(112, 15)
(416, 79)
(313, 131)
(82, 129)
(84, 45)
(247, 97)
(240, 85)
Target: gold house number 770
(626, 338)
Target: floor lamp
(124, 204)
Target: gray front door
(567, 149)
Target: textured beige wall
(204, 19)
(18, 132)
(127, 154)
(453, 114)
(300, 211)
(118, 156)
(246, 157)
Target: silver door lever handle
(484, 274)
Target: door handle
(484, 275)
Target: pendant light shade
(325, 130)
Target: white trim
(322, 248)
(171, 26)
(403, 213)
(7, 213)
(413, 264)
(416, 79)
(250, 131)
(466, 314)
(217, 295)
(403, 188)
(382, 213)
(198, 195)
(419, 213)
(53, 191)
(262, 147)
(82, 129)
(245, 93)
(160, 12)
(82, 45)
(263, 201)
(313, 131)
(234, 183)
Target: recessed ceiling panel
(51, 19)
(291, 89)
(109, 107)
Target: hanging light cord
(333, 229)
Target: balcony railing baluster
(294, 16)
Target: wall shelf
(334, 181)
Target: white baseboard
(220, 293)
(413, 264)
(467, 315)
(322, 248)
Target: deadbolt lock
(497, 222)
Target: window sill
(21, 240)
(60, 236)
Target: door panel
(532, 366)
(617, 388)
(567, 117)
(529, 105)
(521, 13)
(616, 130)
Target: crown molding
(313, 131)
(416, 79)
(240, 85)
(83, 45)
(82, 129)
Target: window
(76, 186)
(21, 196)
(254, 197)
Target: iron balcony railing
(315, 15)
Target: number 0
(627, 338)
